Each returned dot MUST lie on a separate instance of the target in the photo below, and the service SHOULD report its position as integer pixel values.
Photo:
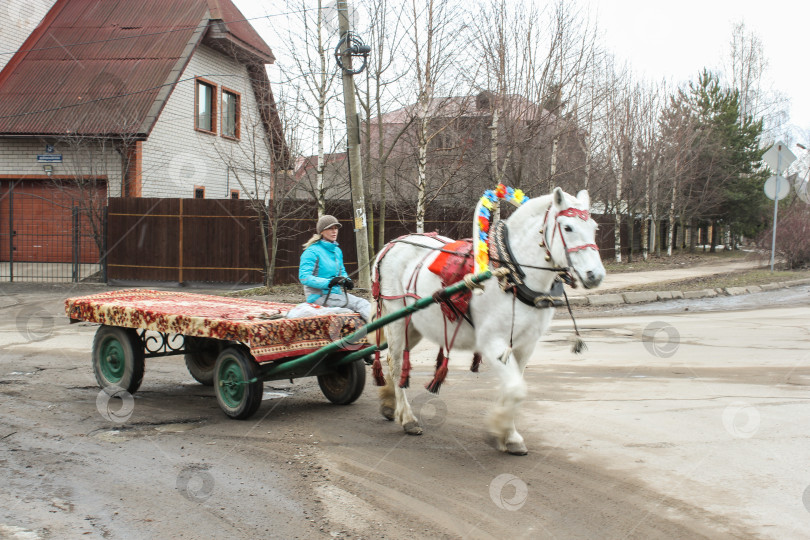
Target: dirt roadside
(169, 464)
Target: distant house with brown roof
(459, 151)
(335, 173)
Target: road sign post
(776, 157)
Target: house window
(205, 118)
(199, 192)
(231, 113)
(234, 194)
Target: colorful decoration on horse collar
(489, 201)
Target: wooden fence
(293, 232)
(183, 240)
(219, 240)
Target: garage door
(50, 223)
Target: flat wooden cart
(233, 344)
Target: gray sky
(674, 40)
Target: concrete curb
(645, 297)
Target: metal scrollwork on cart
(162, 343)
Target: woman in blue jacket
(322, 273)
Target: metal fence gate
(48, 231)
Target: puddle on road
(17, 533)
(128, 433)
(275, 394)
(175, 428)
(112, 436)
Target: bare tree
(386, 33)
(746, 71)
(265, 177)
(649, 161)
(533, 60)
(93, 160)
(309, 74)
(619, 131)
(434, 34)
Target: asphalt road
(674, 424)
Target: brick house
(542, 146)
(144, 98)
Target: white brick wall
(18, 18)
(176, 157)
(19, 157)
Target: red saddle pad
(453, 263)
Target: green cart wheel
(201, 358)
(236, 382)
(118, 358)
(345, 384)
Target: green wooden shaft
(357, 355)
(313, 357)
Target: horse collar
(501, 255)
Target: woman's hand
(344, 282)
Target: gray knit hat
(325, 222)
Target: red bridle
(584, 215)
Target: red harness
(447, 265)
(454, 261)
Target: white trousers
(348, 301)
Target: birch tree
(534, 69)
(679, 135)
(306, 66)
(434, 34)
(386, 33)
(649, 149)
(619, 132)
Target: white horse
(548, 237)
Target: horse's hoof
(412, 428)
(517, 449)
(387, 412)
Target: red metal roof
(238, 28)
(97, 67)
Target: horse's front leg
(512, 393)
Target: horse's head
(569, 236)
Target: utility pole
(353, 151)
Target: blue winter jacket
(320, 262)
